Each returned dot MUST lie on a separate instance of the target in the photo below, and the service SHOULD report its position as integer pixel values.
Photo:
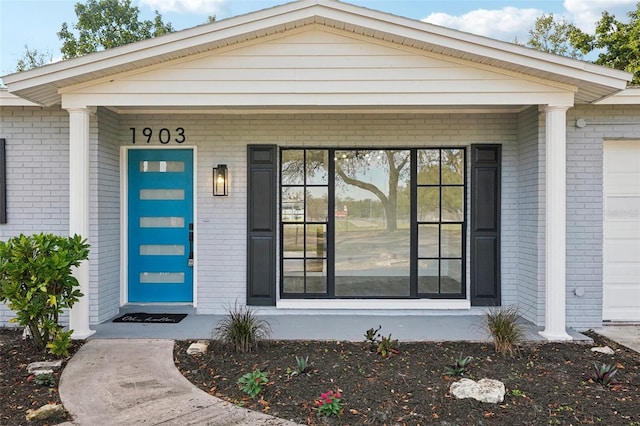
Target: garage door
(621, 231)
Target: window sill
(372, 304)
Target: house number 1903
(164, 135)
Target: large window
(383, 223)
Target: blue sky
(36, 22)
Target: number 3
(182, 138)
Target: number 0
(164, 136)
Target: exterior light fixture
(220, 180)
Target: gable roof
(593, 82)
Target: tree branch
(360, 184)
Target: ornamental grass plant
(502, 323)
(241, 329)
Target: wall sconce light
(220, 180)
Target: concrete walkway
(135, 382)
(625, 335)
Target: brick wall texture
(38, 165)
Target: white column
(555, 223)
(79, 212)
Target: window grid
(329, 227)
(441, 223)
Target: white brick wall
(223, 139)
(530, 286)
(37, 153)
(585, 205)
(37, 174)
(105, 216)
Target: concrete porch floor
(349, 327)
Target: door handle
(190, 260)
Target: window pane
(162, 194)
(293, 276)
(161, 166)
(453, 204)
(293, 240)
(372, 285)
(428, 240)
(161, 222)
(452, 166)
(292, 167)
(371, 238)
(161, 250)
(451, 241)
(428, 276)
(161, 277)
(428, 204)
(428, 167)
(316, 244)
(450, 276)
(317, 167)
(316, 276)
(293, 204)
(317, 204)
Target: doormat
(141, 317)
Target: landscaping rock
(46, 412)
(198, 348)
(44, 367)
(484, 390)
(603, 350)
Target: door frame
(124, 220)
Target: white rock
(45, 412)
(44, 367)
(198, 348)
(603, 350)
(485, 390)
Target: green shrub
(252, 383)
(387, 346)
(45, 380)
(603, 374)
(36, 283)
(242, 329)
(302, 367)
(460, 366)
(503, 326)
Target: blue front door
(160, 239)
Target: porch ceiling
(42, 85)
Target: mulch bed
(18, 390)
(547, 384)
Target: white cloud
(585, 13)
(503, 24)
(205, 7)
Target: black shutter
(261, 224)
(3, 182)
(485, 224)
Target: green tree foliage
(32, 58)
(617, 42)
(36, 281)
(103, 24)
(554, 35)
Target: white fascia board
(629, 96)
(9, 99)
(310, 100)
